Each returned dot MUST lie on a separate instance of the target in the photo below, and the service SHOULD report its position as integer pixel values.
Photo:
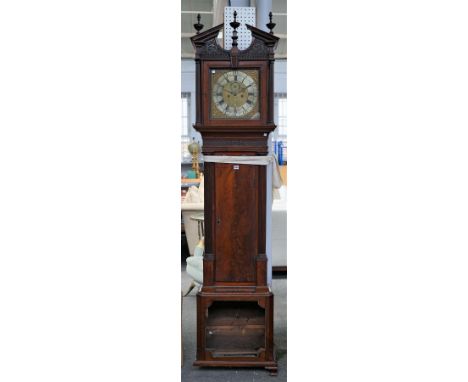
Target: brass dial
(235, 94)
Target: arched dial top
(234, 94)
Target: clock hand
(233, 93)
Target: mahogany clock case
(235, 303)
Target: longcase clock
(234, 114)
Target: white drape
(265, 160)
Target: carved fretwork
(257, 50)
(211, 50)
(207, 47)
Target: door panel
(236, 222)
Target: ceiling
(211, 12)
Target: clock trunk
(236, 228)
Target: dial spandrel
(234, 94)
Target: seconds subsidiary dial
(234, 94)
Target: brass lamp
(194, 149)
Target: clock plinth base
(271, 367)
(235, 330)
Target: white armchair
(195, 266)
(191, 226)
